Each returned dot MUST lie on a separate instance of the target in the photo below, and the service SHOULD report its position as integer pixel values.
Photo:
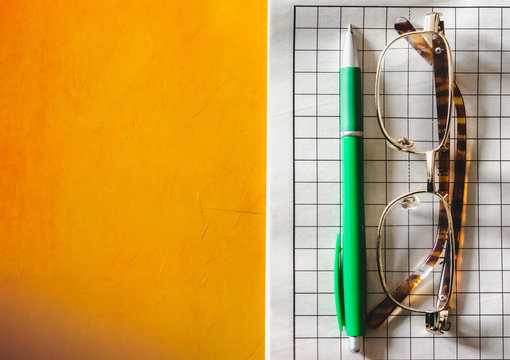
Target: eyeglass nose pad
(431, 179)
(410, 202)
(404, 142)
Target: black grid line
(386, 187)
(294, 187)
(501, 14)
(408, 175)
(339, 143)
(477, 178)
(317, 169)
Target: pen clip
(339, 289)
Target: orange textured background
(132, 184)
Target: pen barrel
(353, 213)
(351, 109)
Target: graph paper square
(327, 124)
(480, 315)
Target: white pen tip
(350, 50)
(349, 28)
(355, 343)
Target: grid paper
(480, 41)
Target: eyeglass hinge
(432, 22)
(437, 322)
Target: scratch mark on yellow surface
(212, 259)
(236, 211)
(195, 32)
(213, 325)
(160, 301)
(205, 232)
(166, 190)
(254, 351)
(162, 264)
(211, 96)
(204, 280)
(133, 258)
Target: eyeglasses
(419, 232)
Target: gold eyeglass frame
(438, 315)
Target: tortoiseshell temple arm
(439, 61)
(459, 188)
(384, 309)
(442, 90)
(402, 25)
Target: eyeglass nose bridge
(431, 176)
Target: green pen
(350, 257)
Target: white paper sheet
(303, 168)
